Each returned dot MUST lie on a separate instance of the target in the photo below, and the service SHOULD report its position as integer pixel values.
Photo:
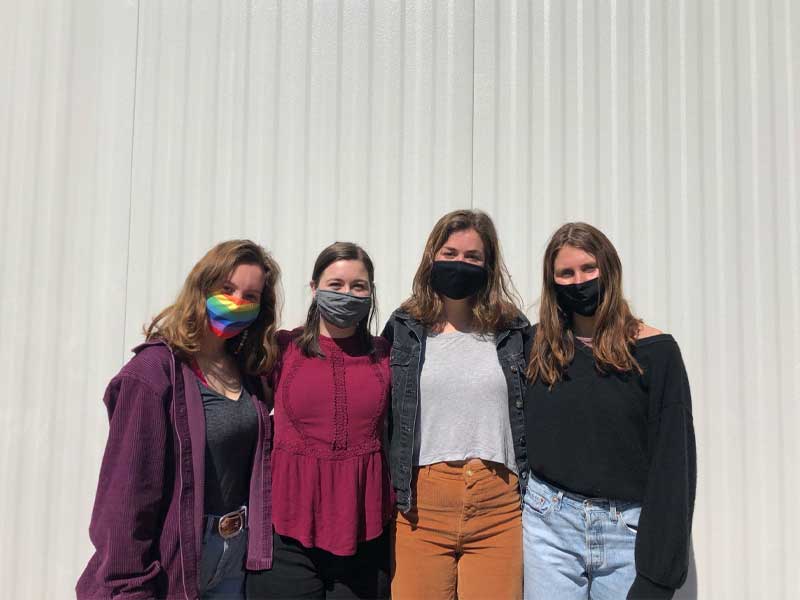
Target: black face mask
(582, 298)
(457, 279)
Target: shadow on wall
(689, 589)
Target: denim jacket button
(514, 369)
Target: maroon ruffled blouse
(330, 477)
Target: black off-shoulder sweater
(627, 437)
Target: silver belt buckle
(232, 523)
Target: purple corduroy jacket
(147, 522)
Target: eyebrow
(586, 264)
(341, 280)
(472, 251)
(254, 290)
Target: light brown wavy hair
(183, 324)
(616, 328)
(495, 306)
(308, 341)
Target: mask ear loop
(241, 342)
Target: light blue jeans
(577, 547)
(222, 565)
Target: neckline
(332, 340)
(223, 396)
(454, 332)
(659, 337)
(351, 344)
(639, 342)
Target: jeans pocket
(213, 550)
(629, 517)
(225, 559)
(539, 504)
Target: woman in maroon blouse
(331, 494)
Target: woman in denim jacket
(457, 445)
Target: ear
(313, 285)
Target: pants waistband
(457, 469)
(559, 497)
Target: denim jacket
(407, 338)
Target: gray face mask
(342, 310)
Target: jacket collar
(518, 322)
(415, 326)
(154, 342)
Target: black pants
(311, 573)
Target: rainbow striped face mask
(228, 316)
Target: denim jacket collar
(419, 330)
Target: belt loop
(559, 498)
(209, 522)
(614, 513)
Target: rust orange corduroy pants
(462, 537)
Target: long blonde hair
(616, 328)
(183, 324)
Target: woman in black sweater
(608, 507)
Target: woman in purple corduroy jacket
(183, 500)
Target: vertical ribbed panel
(673, 126)
(134, 135)
(296, 124)
(66, 118)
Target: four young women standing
(594, 400)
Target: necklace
(221, 377)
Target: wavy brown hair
(308, 341)
(495, 306)
(183, 324)
(616, 328)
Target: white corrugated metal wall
(134, 135)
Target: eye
(228, 289)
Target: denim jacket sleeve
(125, 520)
(388, 335)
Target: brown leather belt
(231, 524)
